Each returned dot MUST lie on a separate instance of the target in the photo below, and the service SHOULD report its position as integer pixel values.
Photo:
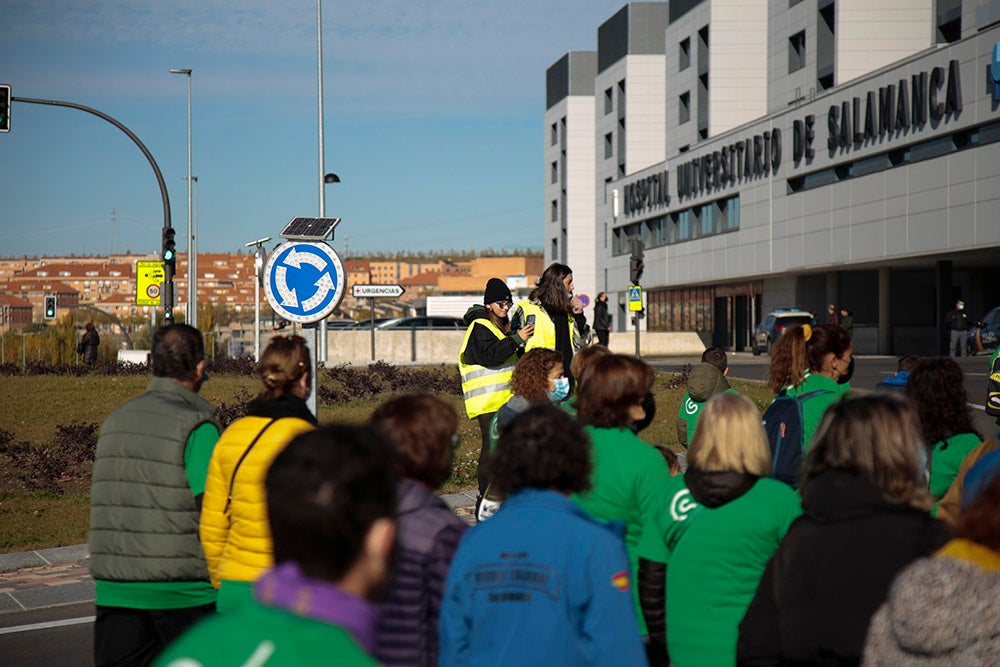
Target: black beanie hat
(496, 290)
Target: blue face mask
(561, 391)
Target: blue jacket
(540, 583)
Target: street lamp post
(192, 307)
(321, 353)
(258, 262)
(193, 258)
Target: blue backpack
(783, 424)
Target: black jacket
(602, 320)
(484, 348)
(831, 573)
(957, 320)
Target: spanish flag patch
(620, 580)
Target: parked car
(985, 335)
(423, 322)
(366, 323)
(774, 324)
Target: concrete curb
(43, 557)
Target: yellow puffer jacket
(237, 540)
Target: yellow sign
(634, 298)
(149, 283)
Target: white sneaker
(487, 508)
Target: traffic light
(169, 246)
(50, 307)
(635, 263)
(4, 108)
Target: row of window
(715, 217)
(925, 150)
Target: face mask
(561, 391)
(962, 307)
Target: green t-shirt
(259, 635)
(169, 594)
(628, 482)
(690, 410)
(714, 570)
(814, 408)
(946, 459)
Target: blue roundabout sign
(304, 281)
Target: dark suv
(774, 324)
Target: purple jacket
(428, 536)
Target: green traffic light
(168, 255)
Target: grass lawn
(31, 407)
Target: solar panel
(309, 229)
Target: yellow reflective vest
(545, 328)
(485, 389)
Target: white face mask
(561, 391)
(961, 306)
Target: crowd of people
(278, 541)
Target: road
(53, 637)
(867, 371)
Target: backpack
(783, 424)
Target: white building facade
(814, 152)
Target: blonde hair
(730, 437)
(876, 437)
(282, 364)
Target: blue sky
(433, 120)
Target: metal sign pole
(637, 333)
(371, 309)
(311, 332)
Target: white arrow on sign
(288, 297)
(297, 259)
(325, 284)
(372, 291)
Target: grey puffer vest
(143, 517)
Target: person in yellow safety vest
(550, 308)
(486, 362)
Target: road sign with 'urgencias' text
(376, 291)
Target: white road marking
(50, 624)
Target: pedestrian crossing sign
(634, 298)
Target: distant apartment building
(15, 312)
(807, 152)
(109, 284)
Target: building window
(703, 50)
(730, 213)
(684, 149)
(609, 146)
(796, 51)
(555, 172)
(949, 21)
(609, 101)
(684, 54)
(555, 134)
(684, 110)
(555, 210)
